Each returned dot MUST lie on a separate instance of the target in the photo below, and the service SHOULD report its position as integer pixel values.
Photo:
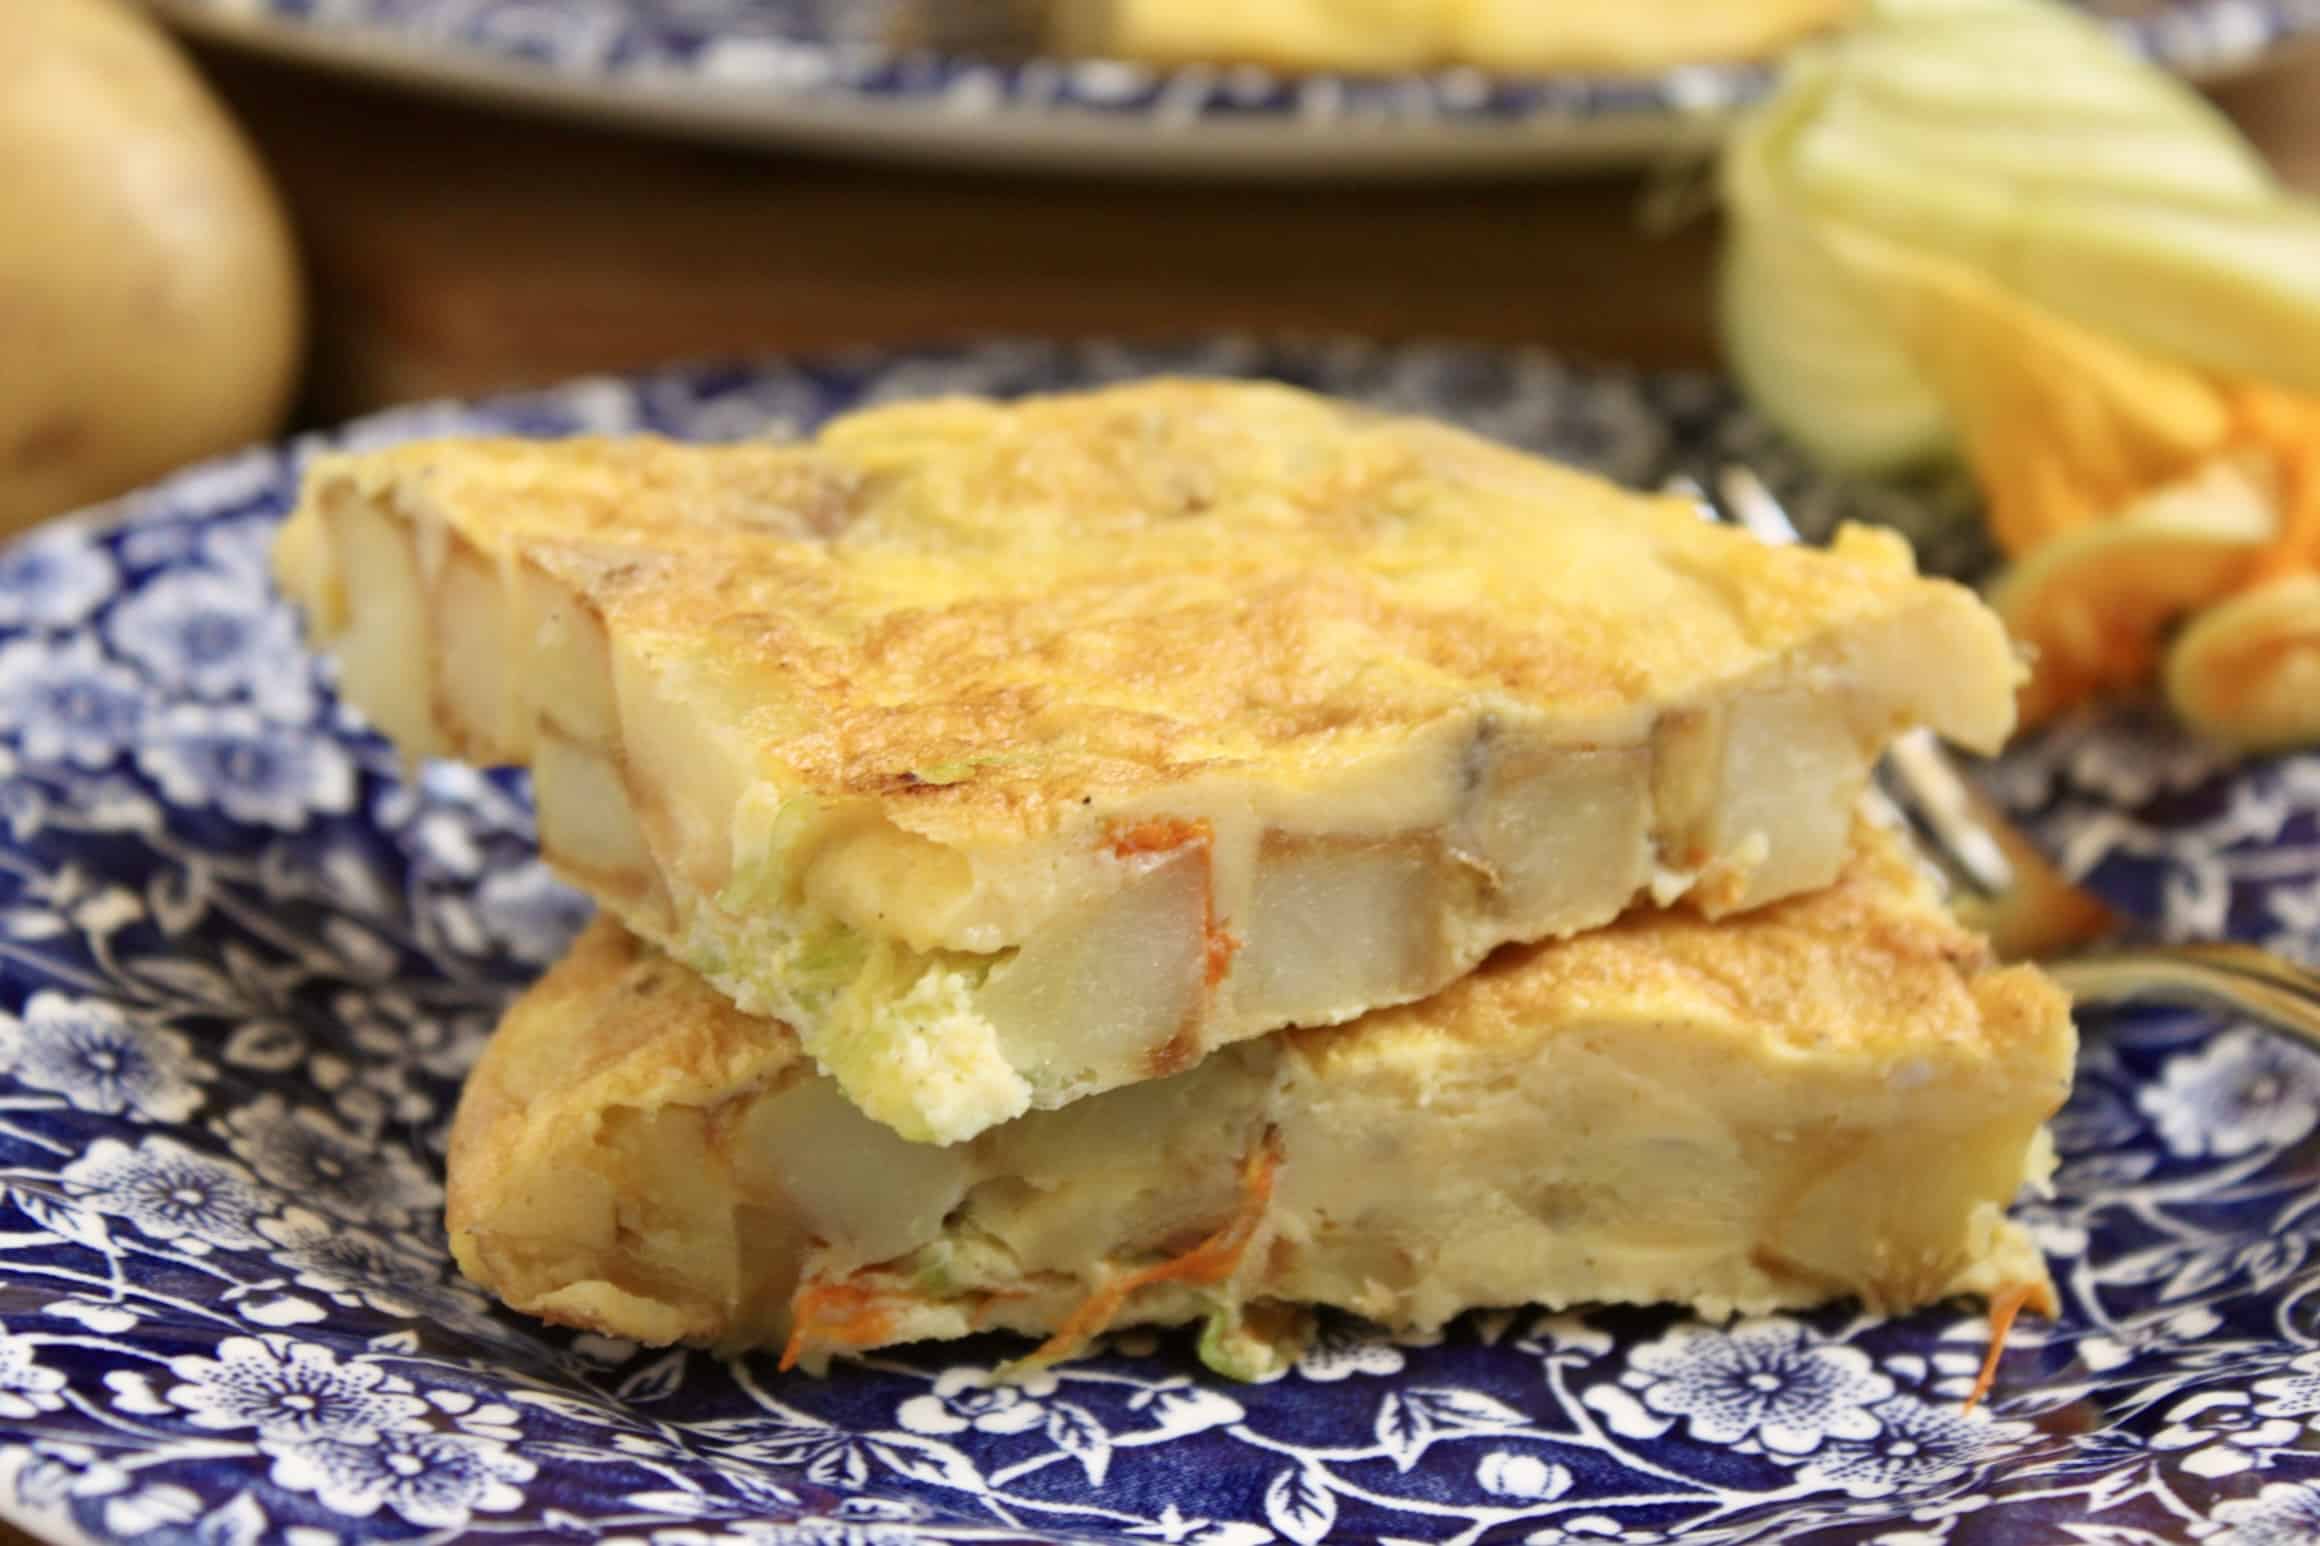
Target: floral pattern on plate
(2173, 832)
(760, 69)
(243, 962)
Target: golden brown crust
(1130, 587)
(1870, 964)
(553, 1126)
(1834, 1095)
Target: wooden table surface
(453, 250)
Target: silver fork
(1968, 843)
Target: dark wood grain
(454, 250)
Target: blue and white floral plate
(814, 73)
(243, 962)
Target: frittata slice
(1836, 1096)
(1514, 36)
(1017, 752)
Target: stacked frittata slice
(1189, 849)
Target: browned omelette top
(1001, 607)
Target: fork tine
(1882, 810)
(1684, 486)
(1934, 788)
(1926, 781)
(1754, 507)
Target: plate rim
(1606, 123)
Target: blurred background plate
(814, 74)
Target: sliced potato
(1116, 984)
(2247, 670)
(1336, 926)
(855, 1184)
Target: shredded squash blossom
(1982, 229)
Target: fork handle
(2238, 978)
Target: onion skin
(2113, 309)
(2017, 140)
